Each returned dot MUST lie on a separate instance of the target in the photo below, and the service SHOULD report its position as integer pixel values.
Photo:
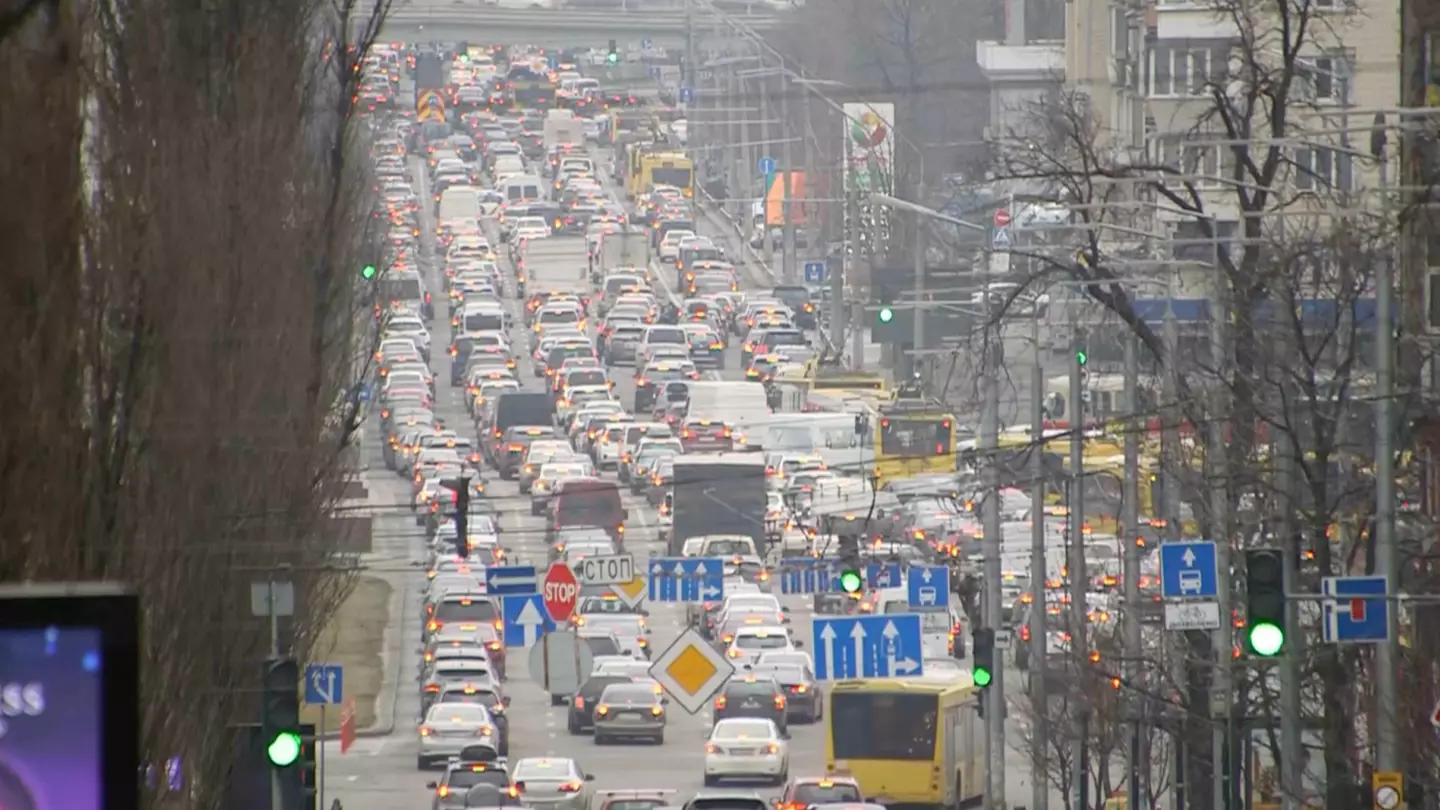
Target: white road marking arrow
(857, 636)
(530, 622)
(1189, 557)
(827, 643)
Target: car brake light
(570, 787)
(712, 748)
(772, 748)
(721, 701)
(426, 731)
(779, 702)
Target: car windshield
(466, 777)
(633, 693)
(766, 642)
(743, 729)
(542, 769)
(825, 793)
(458, 713)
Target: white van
(522, 187)
(459, 202)
(942, 632)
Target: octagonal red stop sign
(560, 591)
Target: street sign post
(525, 619)
(883, 646)
(560, 663)
(883, 575)
(687, 94)
(324, 684)
(808, 575)
(1356, 610)
(765, 166)
(686, 579)
(1001, 239)
(647, 44)
(610, 569)
(506, 580)
(632, 593)
(1190, 582)
(928, 587)
(814, 272)
(561, 591)
(691, 671)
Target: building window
(1179, 72)
(1319, 167)
(1198, 163)
(1432, 279)
(1324, 79)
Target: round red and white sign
(1002, 217)
(560, 591)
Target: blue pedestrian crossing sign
(765, 166)
(647, 44)
(324, 684)
(927, 587)
(1187, 570)
(881, 646)
(1001, 239)
(884, 575)
(814, 272)
(687, 94)
(1355, 610)
(809, 575)
(504, 580)
(526, 619)
(686, 579)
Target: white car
(746, 748)
(449, 727)
(552, 783)
(752, 640)
(670, 245)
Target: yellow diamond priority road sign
(631, 593)
(691, 671)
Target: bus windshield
(916, 437)
(878, 725)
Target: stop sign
(561, 591)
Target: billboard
(870, 146)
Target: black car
(460, 353)
(754, 696)
(803, 700)
(581, 715)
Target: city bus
(913, 438)
(911, 742)
(665, 169)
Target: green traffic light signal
(1081, 356)
(612, 57)
(367, 272)
(1266, 639)
(283, 749)
(850, 581)
(981, 676)
(886, 315)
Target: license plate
(629, 718)
(751, 704)
(743, 752)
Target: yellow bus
(910, 742)
(913, 438)
(667, 169)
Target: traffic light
(1082, 357)
(1265, 601)
(280, 711)
(851, 582)
(982, 670)
(307, 768)
(368, 272)
(613, 55)
(886, 313)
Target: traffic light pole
(1224, 639)
(989, 447)
(1075, 565)
(1039, 701)
(277, 797)
(1130, 535)
(917, 340)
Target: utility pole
(1039, 707)
(767, 140)
(850, 263)
(787, 160)
(1171, 415)
(989, 448)
(918, 339)
(1075, 565)
(1219, 486)
(809, 211)
(1130, 535)
(277, 793)
(687, 79)
(1387, 748)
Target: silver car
(629, 711)
(551, 783)
(450, 727)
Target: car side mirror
(784, 609)
(664, 701)
(625, 514)
(433, 785)
(505, 701)
(589, 777)
(799, 645)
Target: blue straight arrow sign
(686, 579)
(928, 587)
(526, 619)
(882, 646)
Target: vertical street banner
(870, 134)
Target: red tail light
(720, 702)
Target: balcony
(1042, 61)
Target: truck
(554, 264)
(721, 493)
(628, 247)
(562, 128)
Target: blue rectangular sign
(928, 587)
(809, 575)
(506, 580)
(882, 646)
(1187, 570)
(526, 619)
(884, 575)
(324, 684)
(686, 579)
(1356, 609)
(814, 272)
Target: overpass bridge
(468, 20)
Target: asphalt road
(379, 772)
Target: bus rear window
(869, 725)
(916, 438)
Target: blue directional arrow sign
(882, 646)
(687, 94)
(927, 587)
(809, 575)
(654, 71)
(506, 580)
(766, 166)
(1187, 570)
(686, 579)
(814, 272)
(526, 619)
(324, 684)
(884, 575)
(1355, 609)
